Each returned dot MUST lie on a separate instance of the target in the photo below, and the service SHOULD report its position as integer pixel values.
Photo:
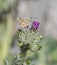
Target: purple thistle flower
(35, 25)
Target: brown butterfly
(23, 22)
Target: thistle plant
(28, 42)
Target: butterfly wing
(23, 22)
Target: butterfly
(23, 22)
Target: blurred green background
(9, 11)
